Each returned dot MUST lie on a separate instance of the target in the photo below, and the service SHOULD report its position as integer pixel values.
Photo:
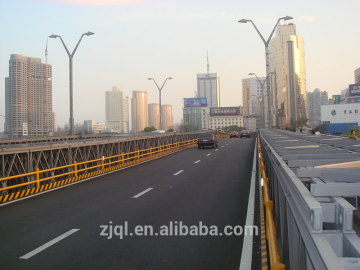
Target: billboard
(195, 102)
(354, 90)
(224, 111)
(353, 100)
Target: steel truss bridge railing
(313, 212)
(21, 164)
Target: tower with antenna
(207, 85)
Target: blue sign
(353, 100)
(195, 102)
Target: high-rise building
(166, 117)
(154, 115)
(28, 97)
(287, 62)
(207, 86)
(314, 100)
(139, 111)
(251, 96)
(55, 123)
(196, 114)
(126, 115)
(114, 109)
(357, 75)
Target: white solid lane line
(208, 154)
(142, 193)
(216, 149)
(197, 161)
(246, 255)
(177, 173)
(48, 244)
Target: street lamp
(262, 83)
(266, 43)
(71, 55)
(273, 93)
(160, 88)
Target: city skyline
(138, 40)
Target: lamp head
(251, 74)
(287, 18)
(54, 36)
(244, 21)
(150, 79)
(169, 78)
(88, 33)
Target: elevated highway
(210, 186)
(312, 189)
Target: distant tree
(232, 128)
(170, 130)
(149, 129)
(300, 122)
(187, 128)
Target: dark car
(234, 134)
(207, 139)
(245, 133)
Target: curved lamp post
(160, 88)
(71, 55)
(266, 43)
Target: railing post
(138, 154)
(75, 168)
(150, 151)
(122, 158)
(37, 178)
(102, 163)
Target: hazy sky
(138, 39)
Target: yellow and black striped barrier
(222, 136)
(11, 190)
(270, 230)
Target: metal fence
(24, 158)
(313, 216)
(22, 185)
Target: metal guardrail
(314, 228)
(18, 186)
(275, 263)
(23, 158)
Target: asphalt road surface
(62, 229)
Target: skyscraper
(357, 75)
(207, 86)
(154, 115)
(55, 123)
(126, 115)
(287, 62)
(166, 117)
(28, 97)
(139, 111)
(114, 109)
(251, 96)
(314, 100)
